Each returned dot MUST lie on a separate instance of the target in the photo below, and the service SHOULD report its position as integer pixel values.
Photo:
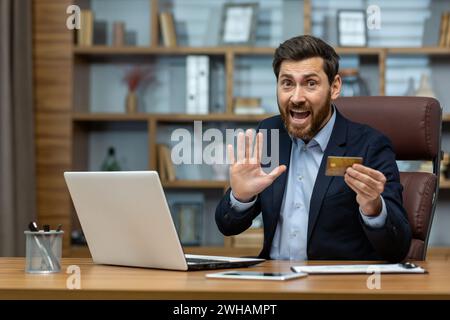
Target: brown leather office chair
(413, 124)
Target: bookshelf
(66, 116)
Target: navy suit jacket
(336, 230)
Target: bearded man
(306, 214)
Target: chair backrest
(413, 124)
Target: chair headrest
(413, 124)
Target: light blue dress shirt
(289, 242)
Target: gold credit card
(336, 166)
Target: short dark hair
(305, 47)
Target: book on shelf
(168, 32)
(197, 84)
(171, 175)
(160, 163)
(247, 102)
(100, 32)
(447, 41)
(203, 84)
(130, 38)
(118, 34)
(166, 168)
(248, 110)
(247, 105)
(444, 30)
(85, 34)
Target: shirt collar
(323, 136)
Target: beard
(317, 119)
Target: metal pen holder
(43, 251)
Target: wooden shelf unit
(230, 54)
(59, 110)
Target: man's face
(304, 96)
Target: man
(306, 214)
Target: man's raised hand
(247, 179)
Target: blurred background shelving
(80, 104)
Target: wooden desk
(109, 282)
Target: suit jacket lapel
(335, 147)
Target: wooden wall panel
(52, 68)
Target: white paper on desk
(357, 269)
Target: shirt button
(300, 178)
(298, 205)
(304, 148)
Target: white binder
(197, 82)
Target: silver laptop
(126, 221)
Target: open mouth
(299, 116)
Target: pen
(58, 229)
(52, 242)
(48, 243)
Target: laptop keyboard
(198, 260)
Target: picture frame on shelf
(238, 25)
(352, 28)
